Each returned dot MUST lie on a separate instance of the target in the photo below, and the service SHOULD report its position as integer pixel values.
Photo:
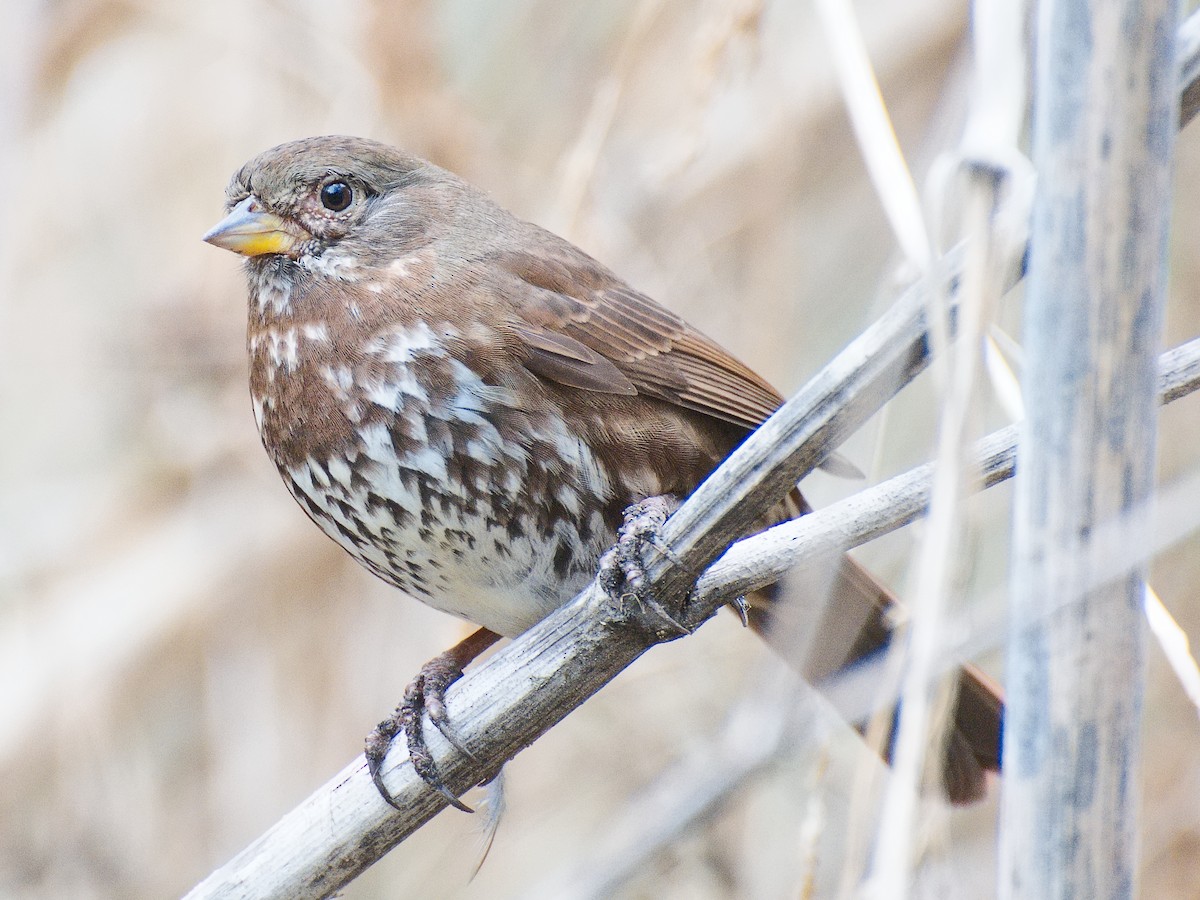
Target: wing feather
(636, 345)
(567, 361)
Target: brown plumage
(467, 403)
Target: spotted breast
(449, 486)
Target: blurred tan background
(183, 657)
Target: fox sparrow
(467, 404)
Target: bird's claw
(426, 693)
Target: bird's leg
(426, 694)
(623, 568)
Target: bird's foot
(623, 568)
(426, 694)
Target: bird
(468, 404)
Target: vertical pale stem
(1104, 118)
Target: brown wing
(584, 327)
(555, 356)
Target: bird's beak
(252, 231)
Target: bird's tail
(857, 623)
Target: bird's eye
(336, 196)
